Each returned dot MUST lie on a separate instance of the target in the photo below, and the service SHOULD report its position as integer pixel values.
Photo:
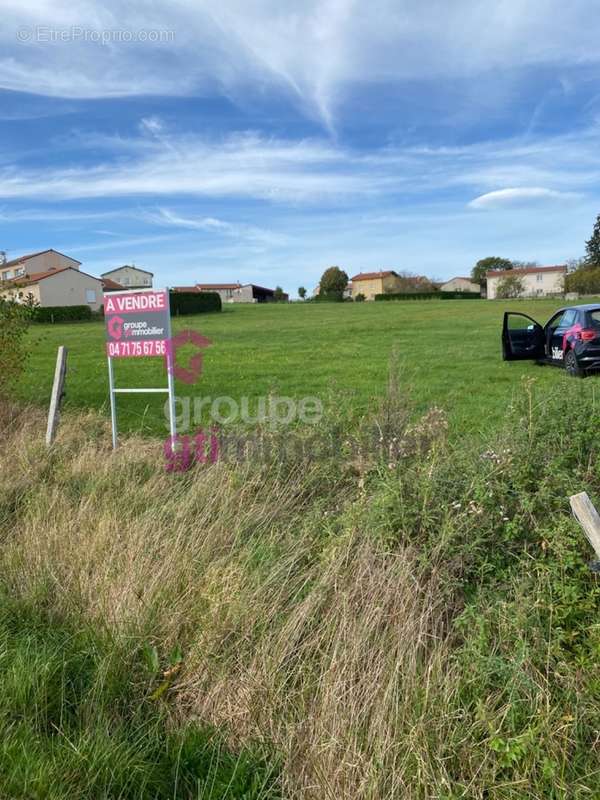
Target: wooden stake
(589, 519)
(58, 390)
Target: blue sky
(264, 141)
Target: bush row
(429, 296)
(194, 302)
(62, 314)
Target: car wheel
(571, 366)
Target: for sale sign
(138, 323)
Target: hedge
(62, 314)
(194, 302)
(429, 296)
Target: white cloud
(319, 173)
(504, 197)
(316, 50)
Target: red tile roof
(218, 285)
(369, 276)
(524, 271)
(194, 289)
(36, 277)
(110, 285)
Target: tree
(301, 292)
(592, 246)
(279, 295)
(409, 282)
(333, 283)
(585, 280)
(487, 265)
(510, 286)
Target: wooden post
(57, 394)
(589, 519)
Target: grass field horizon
(447, 354)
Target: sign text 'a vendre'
(137, 323)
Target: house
(371, 283)
(224, 290)
(35, 263)
(460, 285)
(130, 277)
(66, 286)
(537, 281)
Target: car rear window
(568, 318)
(594, 318)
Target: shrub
(14, 321)
(194, 302)
(360, 298)
(428, 296)
(63, 314)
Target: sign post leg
(113, 404)
(171, 385)
(57, 394)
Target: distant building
(67, 286)
(538, 281)
(371, 283)
(460, 285)
(186, 289)
(224, 290)
(130, 277)
(250, 293)
(237, 292)
(36, 263)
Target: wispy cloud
(505, 197)
(319, 173)
(317, 51)
(219, 227)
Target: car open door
(522, 337)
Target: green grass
(448, 353)
(77, 720)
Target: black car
(571, 338)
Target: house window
(5, 276)
(90, 295)
(539, 277)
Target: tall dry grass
(315, 609)
(297, 626)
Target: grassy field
(448, 354)
(409, 621)
(312, 630)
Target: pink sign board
(137, 323)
